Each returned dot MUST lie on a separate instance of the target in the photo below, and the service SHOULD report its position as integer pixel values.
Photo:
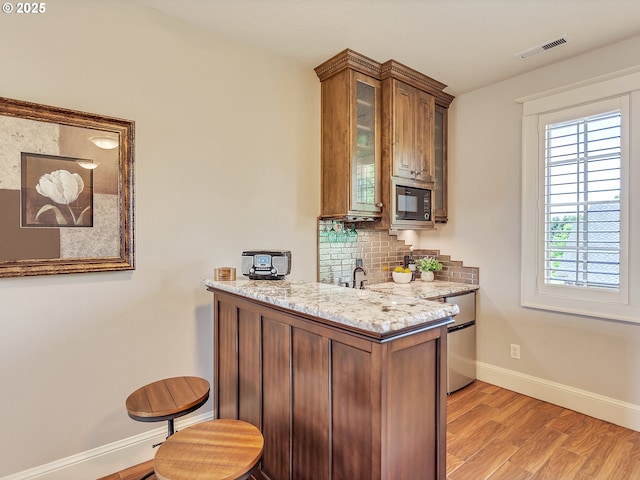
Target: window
(577, 183)
(582, 202)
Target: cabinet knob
(379, 205)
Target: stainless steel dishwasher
(461, 343)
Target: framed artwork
(55, 192)
(66, 191)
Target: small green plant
(428, 264)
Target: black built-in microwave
(412, 206)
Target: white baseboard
(107, 459)
(599, 406)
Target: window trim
(586, 293)
(623, 91)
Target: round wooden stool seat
(167, 399)
(216, 450)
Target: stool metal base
(170, 431)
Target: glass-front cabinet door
(440, 211)
(365, 158)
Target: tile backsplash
(380, 252)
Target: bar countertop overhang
(380, 314)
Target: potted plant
(427, 266)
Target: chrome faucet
(355, 271)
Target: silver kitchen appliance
(461, 343)
(266, 264)
(411, 204)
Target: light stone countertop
(424, 290)
(367, 310)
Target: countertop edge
(369, 335)
(366, 312)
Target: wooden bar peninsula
(344, 384)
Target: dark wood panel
(352, 413)
(412, 422)
(332, 405)
(310, 406)
(249, 360)
(276, 379)
(227, 382)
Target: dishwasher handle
(455, 328)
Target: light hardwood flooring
(496, 434)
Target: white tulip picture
(55, 194)
(63, 187)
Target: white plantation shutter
(582, 179)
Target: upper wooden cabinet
(351, 187)
(379, 121)
(411, 126)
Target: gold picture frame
(66, 191)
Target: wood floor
(496, 434)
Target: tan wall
(598, 356)
(227, 159)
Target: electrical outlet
(515, 351)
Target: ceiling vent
(543, 48)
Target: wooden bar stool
(167, 400)
(216, 450)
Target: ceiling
(465, 44)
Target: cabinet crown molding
(390, 69)
(348, 59)
(399, 71)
